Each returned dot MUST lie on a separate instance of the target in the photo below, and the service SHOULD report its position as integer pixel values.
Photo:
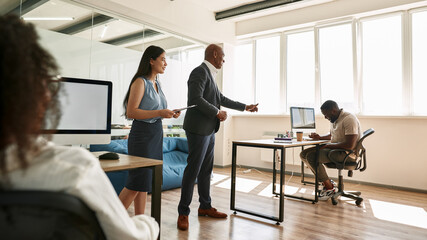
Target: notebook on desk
(283, 140)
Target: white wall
(395, 152)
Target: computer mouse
(109, 156)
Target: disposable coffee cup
(299, 136)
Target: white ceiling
(58, 8)
(55, 8)
(112, 29)
(116, 28)
(220, 5)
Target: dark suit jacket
(203, 92)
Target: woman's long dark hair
(144, 69)
(26, 74)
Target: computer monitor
(86, 112)
(302, 119)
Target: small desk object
(269, 143)
(127, 162)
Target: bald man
(200, 124)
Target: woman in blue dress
(146, 104)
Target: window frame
(356, 80)
(404, 110)
(284, 52)
(410, 98)
(356, 22)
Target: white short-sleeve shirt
(346, 124)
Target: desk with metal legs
(127, 162)
(267, 143)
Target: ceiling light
(48, 18)
(104, 31)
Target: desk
(269, 143)
(127, 162)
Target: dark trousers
(199, 165)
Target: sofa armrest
(175, 143)
(117, 146)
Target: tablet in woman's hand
(180, 109)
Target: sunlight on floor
(267, 192)
(242, 184)
(399, 213)
(217, 177)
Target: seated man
(344, 134)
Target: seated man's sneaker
(211, 212)
(182, 222)
(325, 194)
(334, 183)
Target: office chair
(359, 164)
(46, 215)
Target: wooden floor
(384, 213)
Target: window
(300, 70)
(321, 63)
(382, 66)
(243, 83)
(267, 75)
(174, 80)
(419, 60)
(336, 65)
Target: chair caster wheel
(358, 202)
(334, 201)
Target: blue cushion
(174, 164)
(175, 143)
(117, 146)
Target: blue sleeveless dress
(146, 137)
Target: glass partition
(88, 43)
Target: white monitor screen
(85, 112)
(84, 106)
(302, 118)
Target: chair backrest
(360, 150)
(46, 215)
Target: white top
(346, 124)
(76, 171)
(214, 71)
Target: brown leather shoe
(182, 222)
(212, 212)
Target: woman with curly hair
(28, 161)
